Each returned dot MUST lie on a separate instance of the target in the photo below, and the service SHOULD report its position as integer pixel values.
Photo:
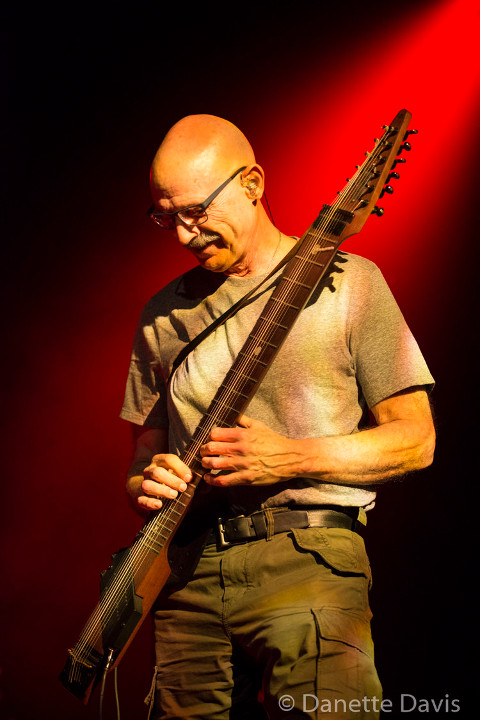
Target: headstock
(372, 179)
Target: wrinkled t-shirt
(349, 348)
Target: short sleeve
(145, 393)
(386, 356)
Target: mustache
(203, 239)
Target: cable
(115, 687)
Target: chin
(214, 263)
(213, 266)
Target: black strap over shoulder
(228, 313)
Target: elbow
(427, 447)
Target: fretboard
(315, 253)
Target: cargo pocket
(150, 699)
(336, 624)
(341, 550)
(346, 673)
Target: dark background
(89, 92)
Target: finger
(224, 463)
(226, 434)
(167, 477)
(245, 421)
(159, 490)
(164, 477)
(173, 462)
(242, 477)
(223, 448)
(148, 503)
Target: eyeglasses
(191, 215)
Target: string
(315, 236)
(220, 399)
(151, 530)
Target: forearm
(364, 458)
(147, 443)
(135, 479)
(254, 454)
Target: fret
(261, 340)
(332, 221)
(157, 550)
(190, 488)
(153, 546)
(213, 417)
(184, 505)
(222, 405)
(284, 302)
(327, 248)
(247, 377)
(249, 356)
(159, 533)
(215, 421)
(296, 282)
(309, 260)
(170, 525)
(223, 385)
(274, 322)
(148, 540)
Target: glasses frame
(166, 220)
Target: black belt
(253, 527)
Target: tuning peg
(378, 211)
(387, 189)
(405, 146)
(410, 132)
(393, 176)
(397, 161)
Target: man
(281, 613)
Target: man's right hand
(165, 477)
(154, 473)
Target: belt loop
(270, 523)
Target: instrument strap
(228, 313)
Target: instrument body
(138, 573)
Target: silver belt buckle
(222, 543)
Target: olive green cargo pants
(285, 619)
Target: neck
(264, 251)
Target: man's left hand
(252, 454)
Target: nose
(185, 233)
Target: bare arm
(253, 454)
(402, 441)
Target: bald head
(201, 149)
(201, 156)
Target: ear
(252, 180)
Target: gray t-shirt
(349, 348)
